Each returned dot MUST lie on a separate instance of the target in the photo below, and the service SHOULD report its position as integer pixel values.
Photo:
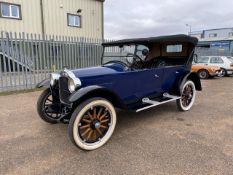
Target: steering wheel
(137, 61)
(161, 63)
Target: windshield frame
(134, 53)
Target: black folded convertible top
(151, 40)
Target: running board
(153, 103)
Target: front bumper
(229, 71)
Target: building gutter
(42, 18)
(102, 9)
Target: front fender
(44, 83)
(96, 91)
(83, 91)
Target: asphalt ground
(161, 140)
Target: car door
(149, 82)
(136, 84)
(171, 74)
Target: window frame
(202, 59)
(230, 34)
(219, 61)
(11, 17)
(80, 17)
(213, 35)
(170, 48)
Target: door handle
(177, 72)
(156, 76)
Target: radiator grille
(63, 90)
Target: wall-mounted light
(79, 10)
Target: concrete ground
(158, 141)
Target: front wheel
(188, 96)
(92, 124)
(203, 74)
(47, 108)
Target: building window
(231, 34)
(8, 10)
(74, 20)
(213, 35)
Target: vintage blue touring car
(135, 75)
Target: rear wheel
(203, 74)
(222, 73)
(188, 96)
(92, 123)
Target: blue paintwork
(128, 84)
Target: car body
(135, 75)
(206, 71)
(223, 62)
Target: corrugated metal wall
(55, 18)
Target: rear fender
(193, 76)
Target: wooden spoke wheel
(92, 123)
(188, 95)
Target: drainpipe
(42, 17)
(102, 9)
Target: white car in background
(224, 62)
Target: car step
(153, 103)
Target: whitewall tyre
(188, 96)
(92, 123)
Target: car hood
(98, 71)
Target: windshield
(123, 53)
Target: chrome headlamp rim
(72, 79)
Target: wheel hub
(190, 96)
(95, 124)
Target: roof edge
(158, 39)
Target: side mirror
(195, 58)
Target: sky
(145, 18)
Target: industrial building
(80, 18)
(217, 41)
